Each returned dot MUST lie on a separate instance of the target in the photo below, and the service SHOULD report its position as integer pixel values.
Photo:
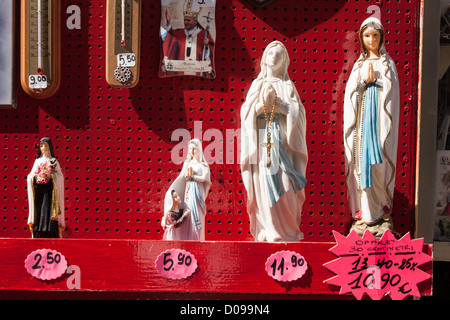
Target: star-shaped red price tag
(378, 267)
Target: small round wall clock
(40, 47)
(123, 42)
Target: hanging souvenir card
(442, 197)
(188, 34)
(40, 46)
(123, 42)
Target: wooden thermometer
(123, 42)
(40, 47)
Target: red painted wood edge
(129, 265)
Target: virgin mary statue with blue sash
(371, 113)
(273, 150)
(192, 186)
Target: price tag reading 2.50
(286, 266)
(46, 264)
(176, 264)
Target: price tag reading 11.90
(176, 264)
(286, 266)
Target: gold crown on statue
(191, 9)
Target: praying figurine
(273, 150)
(371, 115)
(45, 187)
(177, 225)
(191, 189)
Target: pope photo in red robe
(189, 50)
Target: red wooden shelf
(129, 265)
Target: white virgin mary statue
(371, 115)
(273, 150)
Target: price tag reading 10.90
(378, 267)
(286, 266)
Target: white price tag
(37, 81)
(126, 59)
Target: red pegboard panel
(114, 145)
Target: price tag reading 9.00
(286, 266)
(37, 81)
(126, 59)
(176, 264)
(46, 264)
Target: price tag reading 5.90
(286, 266)
(176, 264)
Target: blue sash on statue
(370, 146)
(280, 160)
(195, 198)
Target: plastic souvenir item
(123, 42)
(273, 150)
(177, 223)
(188, 34)
(188, 191)
(40, 49)
(45, 185)
(371, 113)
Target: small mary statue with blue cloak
(371, 115)
(188, 192)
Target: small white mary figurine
(273, 150)
(187, 196)
(371, 115)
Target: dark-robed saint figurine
(45, 185)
